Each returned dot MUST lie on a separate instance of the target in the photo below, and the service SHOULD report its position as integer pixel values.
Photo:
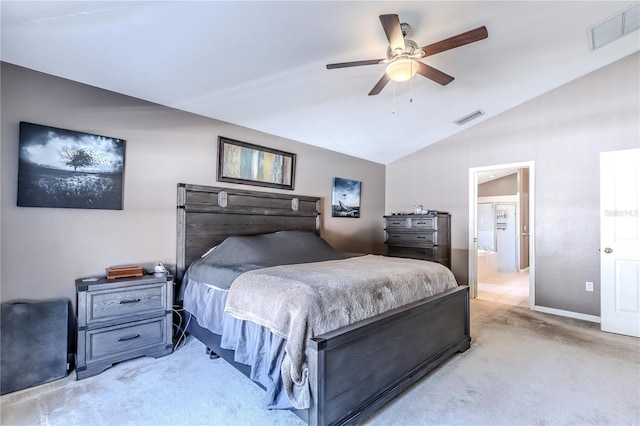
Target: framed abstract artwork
(68, 169)
(242, 162)
(345, 201)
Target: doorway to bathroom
(501, 235)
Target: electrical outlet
(589, 286)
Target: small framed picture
(346, 198)
(69, 169)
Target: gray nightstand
(122, 319)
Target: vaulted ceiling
(262, 64)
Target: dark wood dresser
(419, 236)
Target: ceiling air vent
(467, 118)
(618, 25)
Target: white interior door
(620, 242)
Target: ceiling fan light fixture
(402, 69)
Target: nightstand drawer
(136, 336)
(104, 305)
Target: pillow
(239, 254)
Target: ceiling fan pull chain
(411, 86)
(393, 109)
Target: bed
(350, 371)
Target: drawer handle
(421, 237)
(123, 302)
(124, 339)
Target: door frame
(473, 224)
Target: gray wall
(564, 132)
(44, 250)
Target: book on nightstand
(126, 271)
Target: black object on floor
(36, 344)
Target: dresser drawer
(107, 342)
(426, 223)
(105, 305)
(438, 254)
(411, 238)
(417, 222)
(396, 223)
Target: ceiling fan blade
(379, 85)
(434, 74)
(456, 41)
(391, 26)
(355, 63)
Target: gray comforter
(300, 301)
(239, 254)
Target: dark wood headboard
(207, 215)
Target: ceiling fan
(403, 55)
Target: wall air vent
(614, 27)
(467, 118)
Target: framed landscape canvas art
(242, 162)
(69, 169)
(346, 198)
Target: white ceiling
(262, 64)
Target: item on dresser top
(159, 268)
(124, 271)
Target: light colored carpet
(523, 368)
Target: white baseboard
(568, 314)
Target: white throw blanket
(301, 301)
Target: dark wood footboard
(357, 369)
